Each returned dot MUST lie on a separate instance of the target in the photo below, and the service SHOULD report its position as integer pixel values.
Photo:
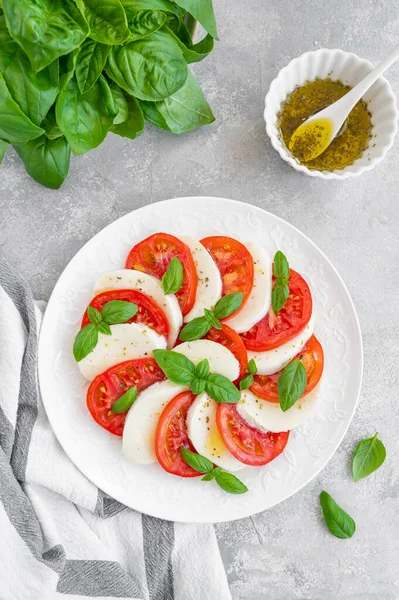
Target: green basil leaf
(230, 483)
(172, 279)
(3, 149)
(212, 320)
(337, 520)
(368, 457)
(85, 341)
(15, 127)
(107, 20)
(50, 126)
(85, 119)
(202, 369)
(90, 63)
(227, 305)
(195, 329)
(252, 368)
(177, 367)
(221, 389)
(45, 30)
(281, 268)
(125, 401)
(246, 381)
(134, 124)
(118, 311)
(202, 11)
(152, 115)
(152, 68)
(193, 53)
(197, 386)
(104, 328)
(121, 103)
(291, 384)
(8, 46)
(212, 474)
(196, 461)
(280, 294)
(132, 6)
(144, 22)
(68, 67)
(94, 315)
(46, 160)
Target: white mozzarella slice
(268, 416)
(258, 303)
(209, 282)
(138, 441)
(205, 436)
(126, 279)
(272, 361)
(128, 341)
(220, 359)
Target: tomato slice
(249, 445)
(149, 312)
(153, 256)
(232, 341)
(312, 358)
(235, 264)
(107, 387)
(274, 330)
(172, 434)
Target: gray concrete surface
(285, 553)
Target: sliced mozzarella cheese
(138, 441)
(272, 361)
(128, 279)
(209, 284)
(258, 303)
(220, 359)
(128, 341)
(268, 416)
(204, 434)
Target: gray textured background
(284, 553)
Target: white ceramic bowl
(350, 69)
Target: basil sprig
(337, 520)
(368, 457)
(248, 379)
(172, 279)
(198, 327)
(227, 481)
(113, 312)
(281, 291)
(291, 384)
(125, 401)
(181, 370)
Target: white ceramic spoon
(330, 119)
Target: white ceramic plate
(148, 488)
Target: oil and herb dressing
(309, 99)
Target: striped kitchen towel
(60, 536)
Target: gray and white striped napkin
(59, 534)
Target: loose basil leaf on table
(85, 341)
(177, 367)
(202, 11)
(90, 63)
(3, 149)
(144, 22)
(15, 126)
(368, 457)
(106, 19)
(125, 401)
(172, 279)
(337, 520)
(291, 384)
(46, 160)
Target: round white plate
(149, 489)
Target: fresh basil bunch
(72, 71)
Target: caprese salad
(201, 355)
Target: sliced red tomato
(232, 341)
(312, 358)
(149, 313)
(106, 388)
(153, 256)
(249, 445)
(274, 330)
(171, 435)
(235, 264)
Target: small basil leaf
(104, 328)
(212, 320)
(227, 305)
(281, 267)
(177, 367)
(252, 368)
(337, 520)
(246, 381)
(202, 369)
(85, 341)
(118, 311)
(195, 329)
(196, 461)
(197, 386)
(172, 279)
(212, 474)
(125, 401)
(230, 483)
(368, 457)
(280, 294)
(291, 384)
(94, 315)
(221, 389)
